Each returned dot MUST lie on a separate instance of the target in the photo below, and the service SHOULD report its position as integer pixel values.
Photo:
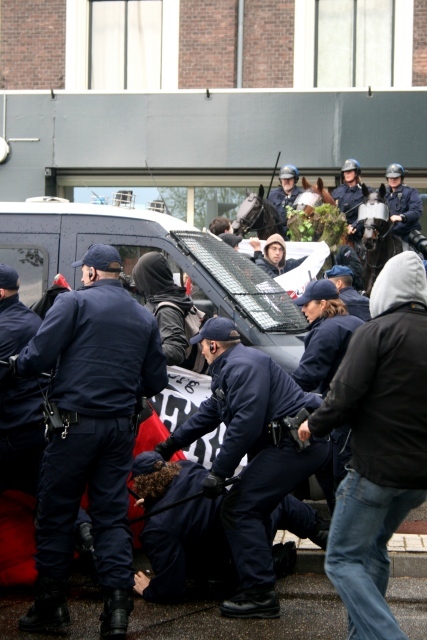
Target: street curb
(402, 565)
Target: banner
(185, 392)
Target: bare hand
(396, 218)
(351, 230)
(304, 432)
(141, 582)
(255, 244)
(139, 503)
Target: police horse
(258, 214)
(380, 244)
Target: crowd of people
(98, 351)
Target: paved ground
(310, 609)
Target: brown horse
(312, 196)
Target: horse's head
(374, 214)
(313, 196)
(256, 214)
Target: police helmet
(394, 170)
(289, 171)
(351, 165)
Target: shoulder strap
(168, 304)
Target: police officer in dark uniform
(107, 352)
(189, 540)
(348, 195)
(21, 418)
(251, 395)
(404, 202)
(285, 195)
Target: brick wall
(32, 46)
(268, 50)
(207, 44)
(419, 57)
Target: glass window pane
(31, 264)
(335, 43)
(211, 202)
(144, 45)
(374, 43)
(107, 52)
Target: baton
(177, 503)
(4, 363)
(274, 173)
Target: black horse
(258, 214)
(380, 243)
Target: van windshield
(260, 297)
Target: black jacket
(379, 389)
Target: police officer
(348, 196)
(286, 194)
(251, 394)
(107, 351)
(357, 304)
(21, 419)
(189, 538)
(404, 202)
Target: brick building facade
(33, 39)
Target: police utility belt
(288, 425)
(56, 419)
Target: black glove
(167, 448)
(213, 486)
(12, 365)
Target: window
(125, 44)
(116, 45)
(31, 264)
(353, 43)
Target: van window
(31, 263)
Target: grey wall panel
(239, 131)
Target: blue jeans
(365, 517)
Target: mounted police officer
(348, 196)
(252, 396)
(286, 194)
(21, 418)
(107, 353)
(404, 202)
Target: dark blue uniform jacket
(87, 381)
(404, 200)
(169, 537)
(325, 346)
(249, 390)
(20, 399)
(349, 199)
(357, 305)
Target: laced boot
(118, 605)
(50, 609)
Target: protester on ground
(380, 391)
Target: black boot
(320, 532)
(118, 605)
(252, 604)
(50, 610)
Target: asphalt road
(310, 609)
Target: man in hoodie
(274, 262)
(167, 301)
(379, 389)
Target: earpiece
(212, 347)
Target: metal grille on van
(258, 296)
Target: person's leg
(21, 451)
(272, 474)
(360, 528)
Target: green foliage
(325, 223)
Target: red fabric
(151, 432)
(17, 539)
(17, 532)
